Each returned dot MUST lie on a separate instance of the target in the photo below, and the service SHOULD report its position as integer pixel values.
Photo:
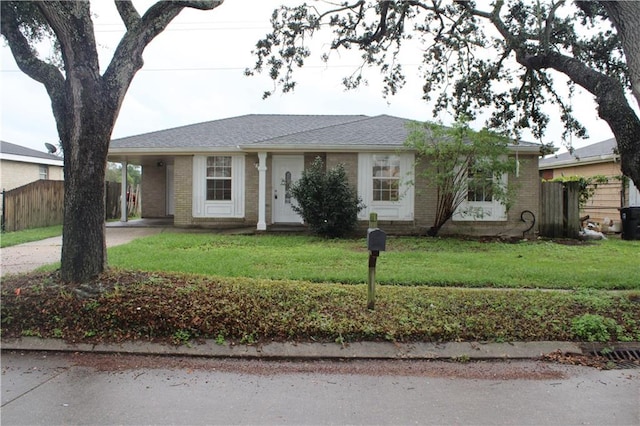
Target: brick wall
(154, 190)
(183, 184)
(425, 198)
(350, 163)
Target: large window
(480, 186)
(386, 177)
(383, 185)
(218, 185)
(219, 180)
(480, 203)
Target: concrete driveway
(29, 256)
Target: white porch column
(123, 193)
(262, 191)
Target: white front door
(287, 169)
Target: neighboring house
(237, 171)
(20, 166)
(596, 159)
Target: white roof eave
(573, 162)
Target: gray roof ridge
(361, 117)
(184, 126)
(236, 117)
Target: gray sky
(194, 72)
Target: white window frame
(43, 171)
(217, 177)
(233, 208)
(482, 211)
(403, 208)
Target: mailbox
(376, 239)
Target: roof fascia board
(172, 151)
(33, 160)
(581, 162)
(524, 149)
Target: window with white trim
(480, 204)
(219, 180)
(383, 185)
(44, 172)
(480, 186)
(386, 177)
(218, 186)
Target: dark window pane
(218, 189)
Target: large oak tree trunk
(625, 16)
(84, 253)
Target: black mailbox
(376, 239)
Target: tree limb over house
(474, 57)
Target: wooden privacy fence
(34, 205)
(559, 209)
(41, 203)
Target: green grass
(178, 308)
(250, 289)
(609, 264)
(8, 239)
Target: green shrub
(594, 328)
(325, 200)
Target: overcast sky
(194, 72)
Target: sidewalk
(29, 256)
(300, 350)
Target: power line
(231, 68)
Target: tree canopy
(499, 58)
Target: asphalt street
(53, 388)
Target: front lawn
(8, 239)
(252, 289)
(609, 264)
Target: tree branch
(26, 57)
(127, 59)
(128, 13)
(71, 22)
(549, 26)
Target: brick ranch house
(235, 172)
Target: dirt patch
(482, 370)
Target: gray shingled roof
(231, 132)
(256, 130)
(380, 130)
(13, 149)
(586, 153)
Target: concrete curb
(288, 350)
